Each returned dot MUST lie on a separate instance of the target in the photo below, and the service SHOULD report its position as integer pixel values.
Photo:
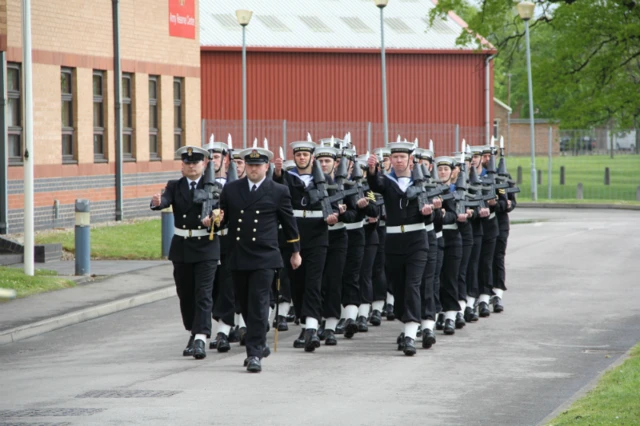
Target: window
(66, 85)
(98, 116)
(14, 113)
(153, 117)
(177, 112)
(496, 129)
(127, 117)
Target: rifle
(419, 183)
(209, 197)
(320, 193)
(464, 200)
(503, 175)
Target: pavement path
(571, 311)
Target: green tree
(585, 56)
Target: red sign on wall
(182, 18)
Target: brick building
(516, 132)
(74, 104)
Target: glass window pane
(15, 150)
(126, 115)
(97, 145)
(153, 144)
(66, 82)
(153, 89)
(126, 144)
(177, 91)
(98, 117)
(126, 87)
(13, 79)
(67, 114)
(97, 85)
(177, 141)
(67, 145)
(153, 117)
(177, 117)
(13, 113)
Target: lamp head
(243, 16)
(381, 3)
(526, 9)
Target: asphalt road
(571, 311)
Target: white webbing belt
(405, 228)
(351, 226)
(339, 225)
(429, 227)
(451, 227)
(382, 223)
(190, 232)
(492, 215)
(222, 232)
(308, 213)
(439, 234)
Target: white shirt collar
(196, 181)
(256, 184)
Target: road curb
(579, 206)
(81, 315)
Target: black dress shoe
(311, 340)
(449, 327)
(265, 353)
(321, 331)
(497, 304)
(376, 318)
(213, 343)
(188, 351)
(350, 328)
(223, 343)
(384, 310)
(291, 315)
(400, 341)
(470, 314)
(361, 322)
(234, 336)
(330, 338)
(428, 338)
(419, 332)
(198, 349)
(299, 342)
(409, 348)
(390, 314)
(483, 309)
(242, 332)
(253, 365)
(460, 321)
(281, 323)
(340, 326)
(440, 322)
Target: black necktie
(254, 188)
(193, 187)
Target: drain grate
(50, 412)
(127, 393)
(34, 424)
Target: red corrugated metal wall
(345, 87)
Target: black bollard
(561, 175)
(519, 179)
(607, 176)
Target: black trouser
(252, 290)
(351, 275)
(194, 282)
(499, 272)
(428, 279)
(436, 277)
(462, 271)
(224, 305)
(380, 286)
(485, 274)
(285, 281)
(407, 270)
(472, 269)
(449, 278)
(365, 282)
(306, 283)
(332, 275)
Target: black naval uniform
(452, 256)
(306, 281)
(365, 282)
(252, 218)
(437, 224)
(473, 290)
(195, 259)
(379, 278)
(502, 214)
(427, 289)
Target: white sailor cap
(445, 161)
(192, 154)
(256, 155)
(325, 151)
(404, 147)
(303, 146)
(288, 164)
(219, 147)
(384, 152)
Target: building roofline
(347, 50)
(502, 104)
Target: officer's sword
(275, 339)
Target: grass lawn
(614, 400)
(43, 280)
(585, 169)
(139, 240)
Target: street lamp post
(244, 16)
(525, 10)
(381, 4)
